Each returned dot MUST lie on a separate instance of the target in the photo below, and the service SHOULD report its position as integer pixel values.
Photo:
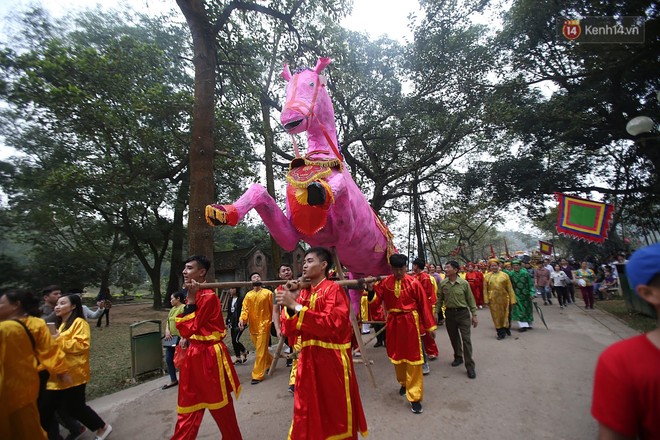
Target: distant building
(238, 264)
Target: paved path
(534, 385)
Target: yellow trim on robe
(301, 315)
(215, 336)
(222, 365)
(187, 317)
(347, 392)
(327, 345)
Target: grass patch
(618, 308)
(110, 352)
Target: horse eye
(311, 84)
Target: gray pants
(459, 325)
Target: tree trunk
(270, 179)
(176, 257)
(202, 148)
(421, 252)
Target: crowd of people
(44, 365)
(45, 348)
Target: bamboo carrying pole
(356, 330)
(302, 284)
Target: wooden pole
(354, 324)
(302, 284)
(230, 284)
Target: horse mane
(297, 70)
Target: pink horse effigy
(324, 205)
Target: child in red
(626, 399)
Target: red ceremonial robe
(327, 399)
(207, 374)
(476, 280)
(408, 315)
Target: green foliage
(242, 236)
(98, 107)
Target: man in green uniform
(460, 313)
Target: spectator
(22, 306)
(610, 281)
(19, 385)
(235, 306)
(626, 383)
(568, 270)
(87, 312)
(559, 282)
(50, 295)
(542, 283)
(585, 278)
(73, 337)
(105, 299)
(172, 336)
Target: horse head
(308, 108)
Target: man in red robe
(476, 280)
(408, 317)
(327, 399)
(207, 375)
(431, 293)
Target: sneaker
(416, 407)
(545, 303)
(550, 301)
(425, 369)
(289, 362)
(561, 307)
(456, 362)
(471, 373)
(357, 353)
(292, 389)
(378, 344)
(255, 382)
(402, 391)
(105, 435)
(432, 357)
(508, 331)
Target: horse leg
(258, 198)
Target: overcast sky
(376, 17)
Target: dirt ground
(534, 385)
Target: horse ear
(323, 80)
(321, 64)
(286, 72)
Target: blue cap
(643, 266)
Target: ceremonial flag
(506, 249)
(545, 248)
(583, 219)
(492, 251)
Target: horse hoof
(217, 215)
(315, 194)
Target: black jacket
(233, 318)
